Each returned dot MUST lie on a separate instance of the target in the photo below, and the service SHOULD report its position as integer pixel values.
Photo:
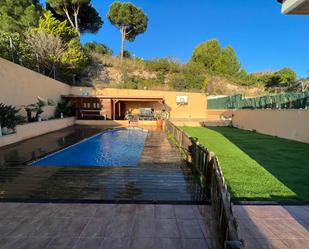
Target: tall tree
(129, 19)
(55, 48)
(207, 54)
(217, 60)
(81, 15)
(18, 15)
(229, 64)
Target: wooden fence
(208, 167)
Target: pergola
(116, 101)
(107, 107)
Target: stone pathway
(274, 227)
(105, 226)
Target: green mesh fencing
(280, 101)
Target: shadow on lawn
(286, 160)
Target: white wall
(36, 129)
(290, 124)
(21, 86)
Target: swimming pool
(114, 147)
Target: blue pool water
(115, 147)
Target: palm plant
(37, 109)
(9, 116)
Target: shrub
(165, 65)
(99, 48)
(64, 107)
(37, 109)
(9, 116)
(187, 82)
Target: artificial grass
(258, 167)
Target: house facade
(295, 7)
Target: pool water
(114, 147)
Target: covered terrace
(116, 107)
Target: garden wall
(290, 124)
(21, 86)
(35, 129)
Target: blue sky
(263, 38)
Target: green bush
(165, 65)
(187, 82)
(64, 107)
(136, 82)
(99, 48)
(9, 116)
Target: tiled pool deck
(274, 227)
(105, 226)
(160, 177)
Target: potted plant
(37, 109)
(64, 109)
(9, 118)
(159, 120)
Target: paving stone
(8, 242)
(116, 243)
(168, 243)
(284, 229)
(89, 243)
(273, 227)
(194, 243)
(190, 229)
(31, 243)
(76, 210)
(256, 229)
(62, 242)
(209, 228)
(120, 227)
(143, 243)
(24, 228)
(265, 244)
(145, 210)
(105, 210)
(298, 212)
(165, 211)
(184, 212)
(296, 243)
(8, 224)
(126, 210)
(202, 211)
(96, 227)
(167, 228)
(8, 209)
(144, 227)
(72, 227)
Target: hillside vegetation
(211, 69)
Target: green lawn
(256, 166)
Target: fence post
(207, 165)
(208, 174)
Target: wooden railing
(207, 165)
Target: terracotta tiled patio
(274, 227)
(105, 226)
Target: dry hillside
(110, 73)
